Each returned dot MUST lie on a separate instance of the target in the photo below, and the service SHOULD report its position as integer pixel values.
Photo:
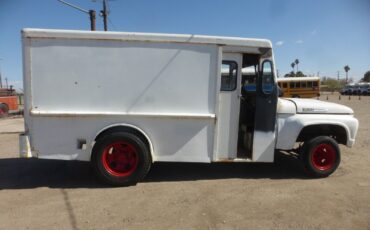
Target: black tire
(321, 156)
(296, 96)
(4, 110)
(121, 159)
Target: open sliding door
(229, 106)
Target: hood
(316, 106)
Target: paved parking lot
(44, 194)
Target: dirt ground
(44, 194)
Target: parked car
(347, 90)
(356, 90)
(364, 89)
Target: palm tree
(296, 62)
(292, 65)
(346, 68)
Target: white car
(124, 101)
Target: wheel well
(125, 129)
(335, 131)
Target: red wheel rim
(120, 158)
(323, 157)
(2, 110)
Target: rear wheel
(321, 156)
(121, 159)
(4, 110)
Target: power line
(91, 13)
(74, 6)
(110, 21)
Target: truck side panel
(130, 77)
(78, 87)
(173, 139)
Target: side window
(267, 77)
(309, 84)
(315, 84)
(285, 85)
(229, 73)
(292, 85)
(303, 84)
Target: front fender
(290, 126)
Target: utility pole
(338, 75)
(104, 13)
(6, 82)
(91, 13)
(92, 19)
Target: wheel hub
(323, 157)
(120, 158)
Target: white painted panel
(78, 87)
(116, 76)
(263, 146)
(183, 140)
(290, 125)
(228, 115)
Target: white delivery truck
(126, 100)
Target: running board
(234, 160)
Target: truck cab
(266, 123)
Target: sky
(325, 35)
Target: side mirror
(267, 77)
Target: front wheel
(121, 159)
(4, 110)
(321, 156)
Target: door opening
(227, 122)
(247, 105)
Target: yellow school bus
(304, 87)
